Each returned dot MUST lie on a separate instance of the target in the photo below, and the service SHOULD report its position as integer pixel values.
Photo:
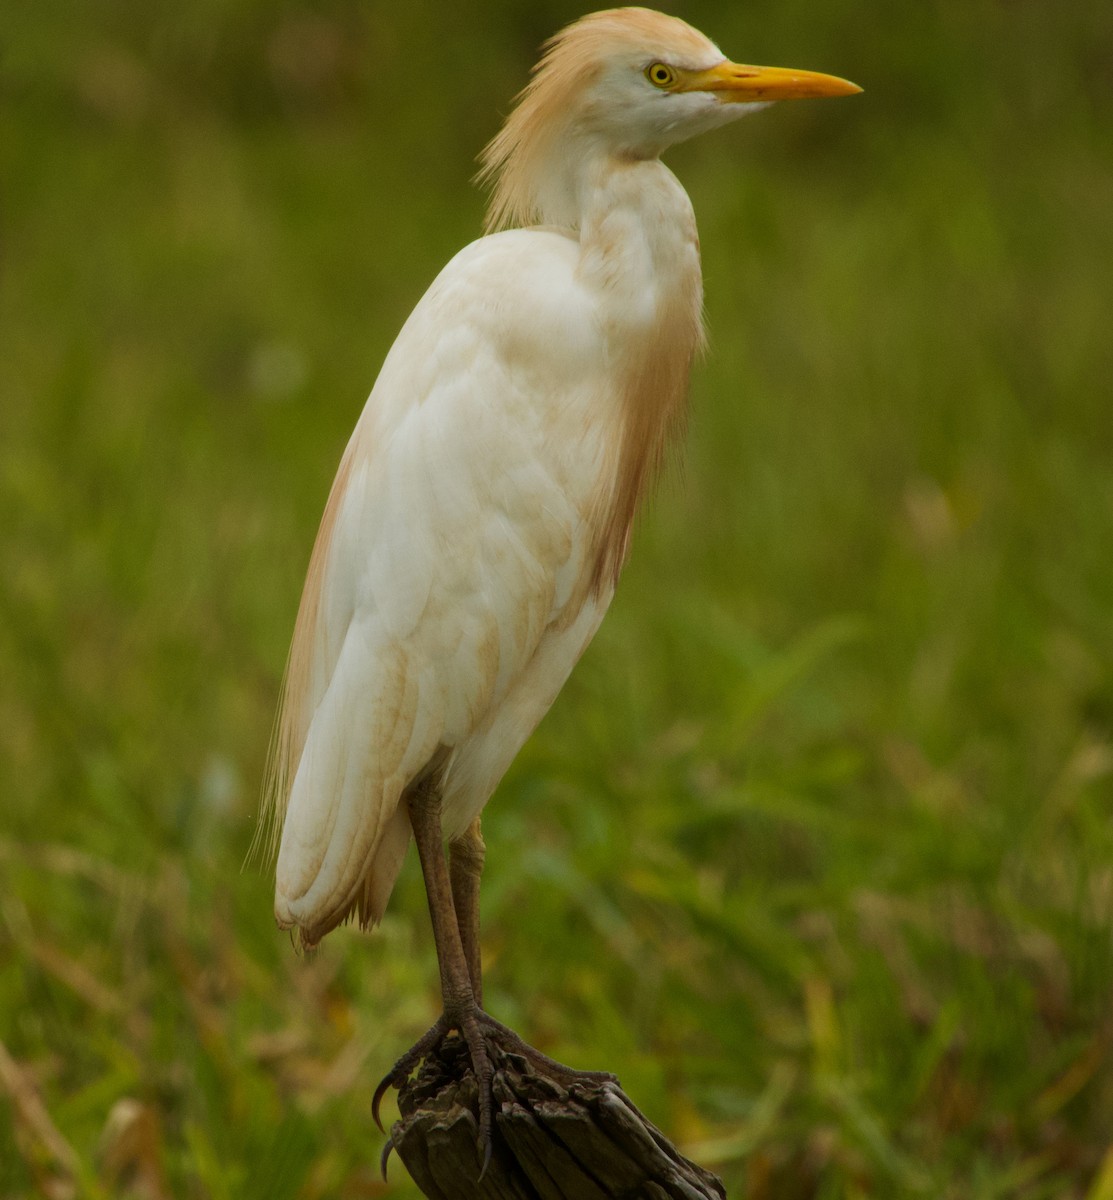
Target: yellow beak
(734, 83)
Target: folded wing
(455, 540)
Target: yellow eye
(660, 75)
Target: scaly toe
(517, 1045)
(403, 1068)
(471, 1026)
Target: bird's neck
(639, 257)
(639, 249)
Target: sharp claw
(487, 1147)
(386, 1155)
(376, 1100)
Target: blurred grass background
(816, 849)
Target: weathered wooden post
(552, 1141)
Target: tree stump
(552, 1140)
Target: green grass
(815, 850)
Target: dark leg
(461, 1012)
(466, 856)
(454, 909)
(425, 817)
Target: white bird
(481, 514)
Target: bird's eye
(660, 75)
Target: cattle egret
(481, 513)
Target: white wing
(449, 593)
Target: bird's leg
(465, 856)
(453, 895)
(425, 817)
(461, 1012)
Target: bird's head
(627, 82)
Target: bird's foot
(482, 1034)
(469, 1021)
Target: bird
(482, 511)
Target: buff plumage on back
(517, 157)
